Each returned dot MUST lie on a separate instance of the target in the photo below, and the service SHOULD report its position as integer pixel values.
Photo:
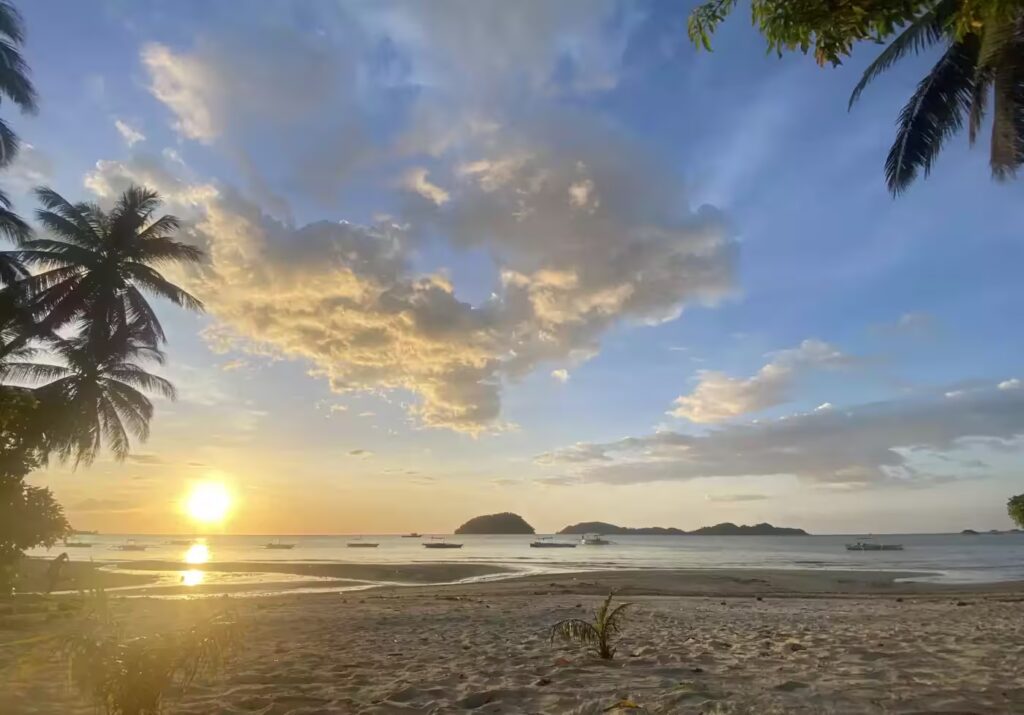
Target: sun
(208, 503)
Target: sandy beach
(694, 642)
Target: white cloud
(562, 375)
(415, 180)
(875, 443)
(719, 397)
(30, 168)
(1012, 384)
(130, 134)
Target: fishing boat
(130, 545)
(546, 542)
(278, 544)
(77, 544)
(412, 535)
(438, 542)
(180, 542)
(594, 540)
(868, 544)
(360, 544)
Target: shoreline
(167, 578)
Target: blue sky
(419, 216)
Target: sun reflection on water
(198, 553)
(192, 577)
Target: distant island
(724, 529)
(504, 523)
(601, 527)
(972, 532)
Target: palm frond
(32, 372)
(575, 629)
(933, 114)
(152, 282)
(931, 27)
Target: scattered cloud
(875, 443)
(735, 497)
(911, 324)
(562, 375)
(1012, 384)
(94, 504)
(415, 180)
(144, 458)
(719, 397)
(130, 134)
(31, 167)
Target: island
(763, 529)
(724, 529)
(601, 527)
(969, 532)
(504, 523)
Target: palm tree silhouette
(98, 265)
(986, 60)
(97, 394)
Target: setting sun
(208, 503)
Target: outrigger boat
(130, 545)
(594, 540)
(360, 544)
(546, 542)
(438, 542)
(278, 545)
(866, 544)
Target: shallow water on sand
(952, 558)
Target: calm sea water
(944, 557)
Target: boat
(594, 540)
(130, 545)
(278, 544)
(77, 544)
(412, 535)
(547, 542)
(438, 542)
(180, 542)
(867, 544)
(360, 544)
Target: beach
(694, 641)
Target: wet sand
(764, 642)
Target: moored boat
(131, 545)
(278, 544)
(438, 542)
(594, 540)
(868, 544)
(547, 542)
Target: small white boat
(868, 544)
(130, 545)
(278, 544)
(547, 542)
(594, 540)
(412, 535)
(438, 542)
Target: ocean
(949, 558)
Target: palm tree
(96, 395)
(15, 84)
(98, 265)
(988, 59)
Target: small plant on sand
(133, 676)
(596, 635)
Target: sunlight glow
(192, 577)
(198, 553)
(208, 503)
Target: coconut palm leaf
(104, 263)
(928, 29)
(598, 634)
(933, 114)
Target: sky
(473, 256)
